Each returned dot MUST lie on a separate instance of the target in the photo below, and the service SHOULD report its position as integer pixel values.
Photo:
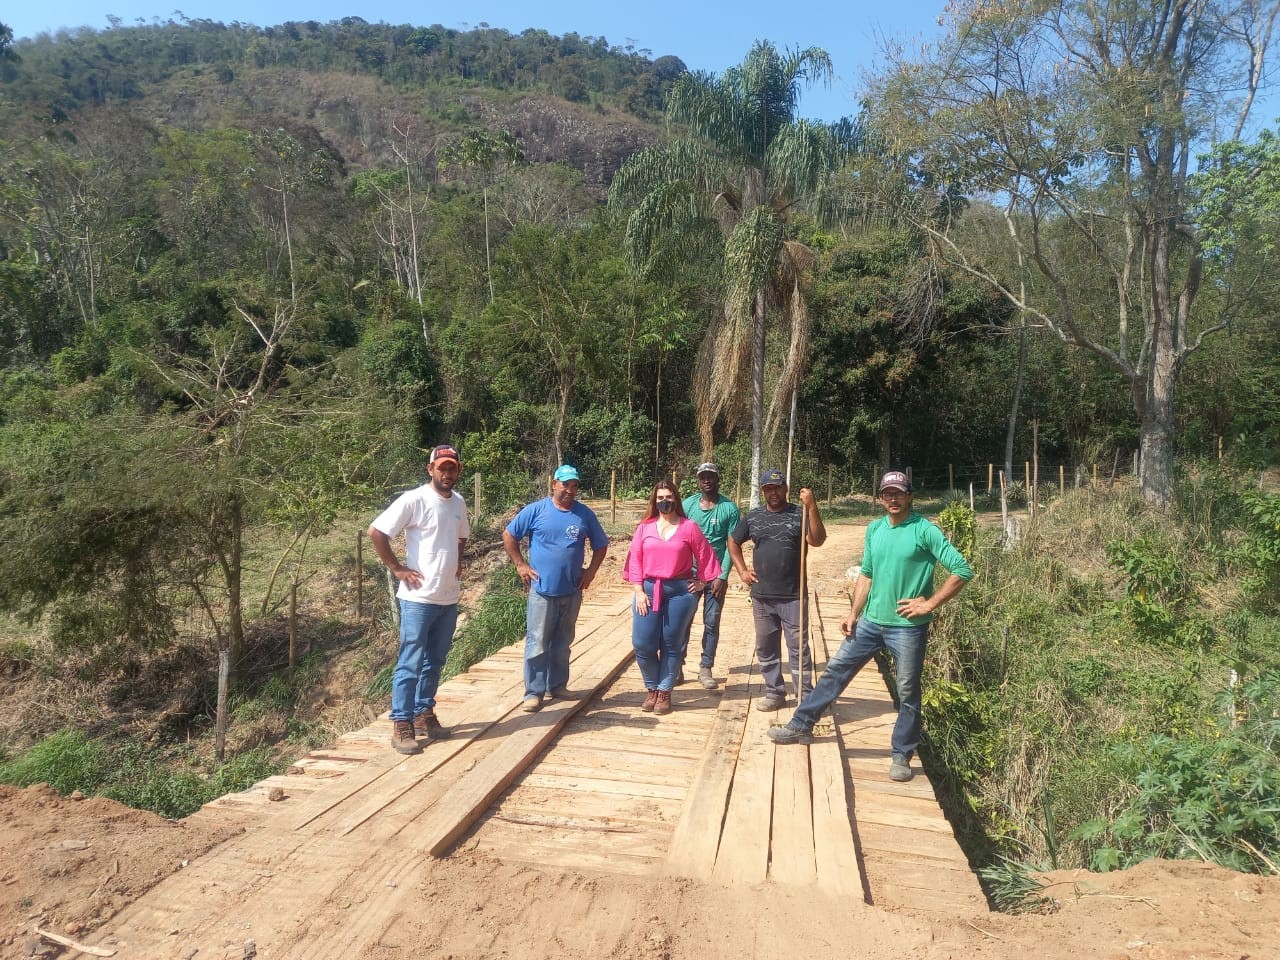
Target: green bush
(67, 761)
(1259, 554)
(960, 524)
(1208, 799)
(1158, 588)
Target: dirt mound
(69, 864)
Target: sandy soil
(69, 864)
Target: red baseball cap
(444, 452)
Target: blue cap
(772, 477)
(565, 473)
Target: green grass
(172, 784)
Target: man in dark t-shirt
(774, 577)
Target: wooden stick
(68, 942)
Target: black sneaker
(789, 734)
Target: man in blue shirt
(717, 516)
(558, 528)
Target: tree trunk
(757, 395)
(1016, 402)
(235, 606)
(1155, 463)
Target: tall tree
(484, 152)
(1080, 119)
(736, 178)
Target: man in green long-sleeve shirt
(893, 605)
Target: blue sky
(705, 35)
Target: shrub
(960, 525)
(67, 761)
(1158, 588)
(1209, 799)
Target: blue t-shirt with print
(557, 543)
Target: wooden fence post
(359, 574)
(1062, 479)
(828, 484)
(951, 479)
(476, 505)
(737, 485)
(1034, 487)
(990, 476)
(613, 496)
(293, 625)
(220, 716)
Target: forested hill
(571, 99)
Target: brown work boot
(427, 725)
(650, 701)
(402, 739)
(663, 703)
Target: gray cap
(708, 467)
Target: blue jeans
(426, 634)
(549, 626)
(773, 619)
(711, 608)
(907, 644)
(660, 636)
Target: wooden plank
(471, 795)
(640, 781)
(743, 856)
(839, 867)
(610, 806)
(694, 844)
(628, 788)
(791, 853)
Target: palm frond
(652, 167)
(750, 256)
(724, 358)
(671, 209)
(793, 264)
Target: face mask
(666, 506)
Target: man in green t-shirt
(717, 516)
(893, 605)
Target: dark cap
(772, 477)
(895, 480)
(707, 467)
(444, 452)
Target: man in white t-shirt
(434, 521)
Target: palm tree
(735, 179)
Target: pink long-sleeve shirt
(652, 558)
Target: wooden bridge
(591, 784)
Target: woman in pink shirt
(666, 550)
